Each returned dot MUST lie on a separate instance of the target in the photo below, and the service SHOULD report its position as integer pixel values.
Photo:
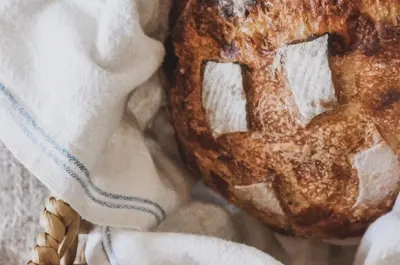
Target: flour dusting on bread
(309, 76)
(262, 195)
(223, 98)
(233, 7)
(378, 170)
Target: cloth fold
(82, 107)
(67, 71)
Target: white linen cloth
(81, 106)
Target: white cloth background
(81, 106)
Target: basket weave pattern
(58, 244)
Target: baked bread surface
(325, 175)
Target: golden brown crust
(308, 167)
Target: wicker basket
(59, 242)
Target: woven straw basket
(58, 243)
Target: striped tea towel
(81, 106)
(67, 69)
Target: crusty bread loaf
(291, 109)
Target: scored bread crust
(306, 167)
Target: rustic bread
(290, 109)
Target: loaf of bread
(291, 109)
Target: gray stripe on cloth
(73, 174)
(108, 240)
(105, 251)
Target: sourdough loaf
(291, 109)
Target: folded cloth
(381, 243)
(67, 69)
(209, 234)
(110, 246)
(81, 106)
